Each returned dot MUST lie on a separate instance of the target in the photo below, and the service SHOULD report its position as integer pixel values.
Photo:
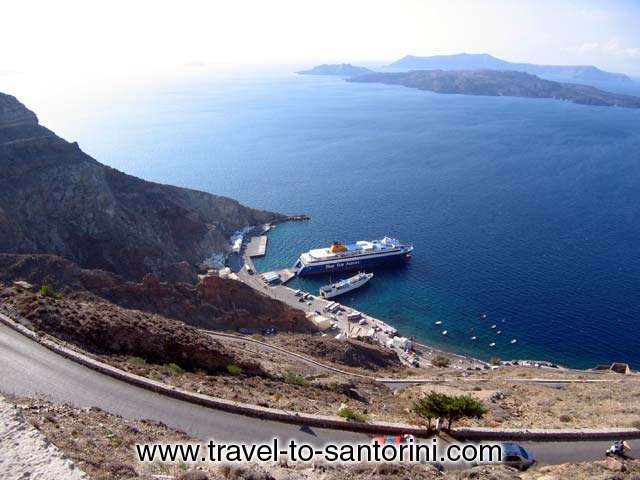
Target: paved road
(27, 368)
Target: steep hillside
(500, 83)
(213, 303)
(56, 199)
(484, 61)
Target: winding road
(29, 369)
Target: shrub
(175, 368)
(441, 361)
(494, 361)
(333, 387)
(565, 418)
(234, 369)
(47, 291)
(351, 415)
(636, 424)
(295, 379)
(137, 360)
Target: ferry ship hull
(353, 264)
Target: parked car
(516, 456)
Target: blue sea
(526, 211)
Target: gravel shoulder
(28, 453)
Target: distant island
(484, 61)
(499, 83)
(341, 70)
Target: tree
(434, 405)
(464, 406)
(451, 408)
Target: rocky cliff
(500, 83)
(214, 303)
(56, 199)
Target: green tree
(435, 405)
(451, 408)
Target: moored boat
(356, 256)
(344, 286)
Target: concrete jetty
(257, 246)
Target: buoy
(484, 315)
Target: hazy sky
(91, 36)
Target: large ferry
(357, 256)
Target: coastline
(316, 304)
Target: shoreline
(459, 361)
(316, 304)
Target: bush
(175, 368)
(47, 291)
(137, 360)
(565, 418)
(636, 424)
(333, 387)
(295, 379)
(234, 369)
(494, 361)
(351, 415)
(441, 361)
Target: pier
(257, 246)
(347, 320)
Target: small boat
(444, 332)
(498, 332)
(484, 315)
(513, 341)
(473, 338)
(493, 326)
(439, 322)
(344, 286)
(492, 344)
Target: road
(28, 369)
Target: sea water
(523, 210)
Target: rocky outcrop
(500, 83)
(214, 303)
(104, 328)
(56, 199)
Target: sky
(83, 37)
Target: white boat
(344, 286)
(514, 341)
(444, 332)
(473, 338)
(439, 322)
(492, 344)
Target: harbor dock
(348, 321)
(257, 246)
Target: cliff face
(56, 199)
